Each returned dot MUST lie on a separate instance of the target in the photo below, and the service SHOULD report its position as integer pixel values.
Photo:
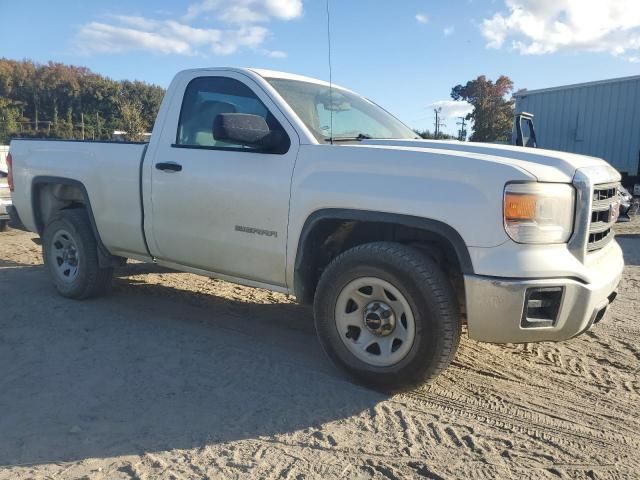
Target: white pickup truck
(284, 182)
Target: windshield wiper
(357, 138)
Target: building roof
(525, 92)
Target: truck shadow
(238, 301)
(4, 263)
(148, 369)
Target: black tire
(4, 225)
(429, 295)
(91, 280)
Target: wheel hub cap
(379, 319)
(374, 321)
(65, 255)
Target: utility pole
(438, 122)
(462, 133)
(82, 121)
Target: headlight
(539, 212)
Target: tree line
(69, 102)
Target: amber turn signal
(519, 206)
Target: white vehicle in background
(5, 194)
(284, 182)
(5, 200)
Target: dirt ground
(178, 376)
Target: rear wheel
(70, 253)
(4, 225)
(387, 314)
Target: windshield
(354, 117)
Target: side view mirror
(247, 130)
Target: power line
(462, 133)
(438, 121)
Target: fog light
(541, 307)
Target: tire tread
(431, 280)
(97, 280)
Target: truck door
(217, 206)
(525, 134)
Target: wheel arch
(340, 227)
(50, 194)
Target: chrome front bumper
(495, 305)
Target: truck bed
(110, 174)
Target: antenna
(330, 74)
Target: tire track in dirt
(545, 395)
(546, 401)
(521, 421)
(570, 358)
(542, 397)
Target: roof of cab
(287, 76)
(269, 74)
(292, 76)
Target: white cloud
(448, 31)
(452, 108)
(246, 11)
(165, 37)
(537, 27)
(96, 37)
(237, 27)
(422, 18)
(276, 54)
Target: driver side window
(207, 97)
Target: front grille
(605, 192)
(602, 219)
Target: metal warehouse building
(601, 119)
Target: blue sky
(405, 55)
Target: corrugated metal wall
(600, 119)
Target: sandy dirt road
(178, 376)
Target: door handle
(169, 167)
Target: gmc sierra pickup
(287, 183)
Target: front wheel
(387, 314)
(70, 253)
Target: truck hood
(545, 165)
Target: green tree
(428, 135)
(8, 120)
(492, 113)
(148, 97)
(131, 119)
